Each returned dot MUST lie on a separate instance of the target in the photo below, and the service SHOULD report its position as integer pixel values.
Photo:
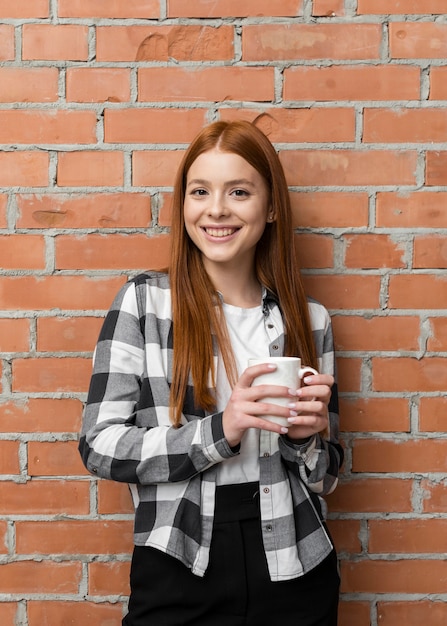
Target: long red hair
(198, 322)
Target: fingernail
(284, 430)
(293, 413)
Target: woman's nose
(217, 205)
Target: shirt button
(269, 325)
(275, 347)
(269, 527)
(266, 454)
(266, 490)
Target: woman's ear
(271, 217)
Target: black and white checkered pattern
(127, 436)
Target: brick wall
(98, 99)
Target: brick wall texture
(98, 100)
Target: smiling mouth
(220, 232)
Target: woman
(229, 523)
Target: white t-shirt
(249, 338)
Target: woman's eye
(198, 192)
(240, 193)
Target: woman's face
(225, 210)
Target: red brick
(152, 125)
(300, 125)
(374, 415)
(51, 374)
(164, 43)
(438, 337)
(61, 292)
(9, 457)
(421, 291)
(280, 42)
(434, 496)
(47, 127)
(412, 613)
(155, 167)
(372, 251)
(42, 612)
(400, 7)
(430, 252)
(28, 84)
(165, 209)
(438, 83)
(45, 498)
(408, 126)
(358, 82)
(109, 578)
(74, 537)
(399, 536)
(8, 612)
(354, 333)
(54, 458)
(144, 9)
(314, 251)
(354, 613)
(3, 206)
(28, 169)
(55, 42)
(93, 210)
(23, 252)
(25, 577)
(345, 535)
(403, 576)
(427, 374)
(372, 495)
(98, 84)
(349, 167)
(72, 334)
(113, 498)
(433, 414)
(329, 209)
(7, 47)
(386, 456)
(234, 8)
(418, 40)
(349, 370)
(14, 334)
(436, 166)
(90, 169)
(166, 84)
(419, 209)
(24, 9)
(328, 8)
(112, 252)
(3, 541)
(345, 291)
(36, 415)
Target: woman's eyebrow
(228, 183)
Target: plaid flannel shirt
(127, 436)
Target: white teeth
(220, 232)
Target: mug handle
(305, 370)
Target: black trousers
(236, 589)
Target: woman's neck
(238, 289)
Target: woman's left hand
(311, 405)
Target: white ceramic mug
(288, 373)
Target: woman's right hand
(245, 407)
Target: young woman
(229, 522)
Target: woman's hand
(311, 405)
(245, 408)
(306, 412)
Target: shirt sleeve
(317, 461)
(114, 444)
